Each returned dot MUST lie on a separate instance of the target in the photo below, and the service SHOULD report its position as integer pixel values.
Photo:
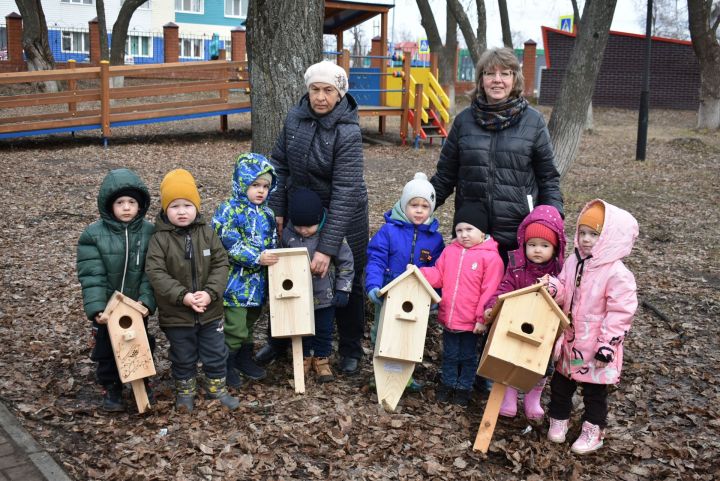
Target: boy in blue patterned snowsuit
(246, 226)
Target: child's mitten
(374, 296)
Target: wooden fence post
(417, 118)
(105, 99)
(72, 87)
(405, 97)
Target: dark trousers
(594, 397)
(351, 324)
(200, 342)
(107, 372)
(320, 345)
(460, 360)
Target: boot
(508, 408)
(590, 439)
(246, 365)
(462, 397)
(185, 394)
(322, 368)
(149, 390)
(217, 389)
(233, 380)
(112, 398)
(267, 355)
(307, 365)
(531, 403)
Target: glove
(341, 299)
(374, 296)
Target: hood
(345, 112)
(114, 181)
(247, 168)
(548, 216)
(618, 235)
(489, 244)
(397, 215)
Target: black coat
(500, 169)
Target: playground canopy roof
(341, 16)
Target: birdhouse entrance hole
(125, 322)
(407, 306)
(527, 328)
(287, 284)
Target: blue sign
(566, 23)
(424, 46)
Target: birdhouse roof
(291, 251)
(118, 298)
(412, 270)
(527, 290)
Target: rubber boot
(508, 408)
(233, 379)
(112, 398)
(246, 365)
(185, 390)
(533, 409)
(217, 389)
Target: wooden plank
(157, 90)
(292, 312)
(46, 75)
(155, 114)
(298, 369)
(173, 67)
(489, 419)
(391, 378)
(140, 394)
(90, 95)
(51, 124)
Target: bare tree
(476, 42)
(279, 52)
(102, 27)
(669, 18)
(447, 53)
(570, 111)
(704, 20)
(505, 23)
(35, 40)
(120, 29)
(358, 35)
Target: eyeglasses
(505, 74)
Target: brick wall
(674, 71)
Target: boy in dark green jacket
(188, 269)
(111, 257)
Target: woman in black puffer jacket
(499, 152)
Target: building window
(139, 46)
(189, 6)
(191, 48)
(76, 42)
(82, 2)
(236, 8)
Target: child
(188, 269)
(599, 295)
(469, 270)
(111, 257)
(541, 237)
(409, 236)
(246, 227)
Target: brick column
(376, 50)
(13, 23)
(238, 44)
(171, 39)
(94, 28)
(528, 68)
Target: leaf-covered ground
(664, 417)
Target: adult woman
(320, 148)
(499, 151)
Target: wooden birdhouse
(292, 308)
(526, 323)
(401, 333)
(130, 344)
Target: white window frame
(198, 4)
(79, 2)
(192, 42)
(71, 34)
(149, 52)
(242, 5)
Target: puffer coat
(111, 254)
(499, 168)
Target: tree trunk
(102, 27)
(279, 52)
(119, 31)
(505, 23)
(447, 54)
(570, 111)
(458, 12)
(703, 32)
(482, 26)
(35, 41)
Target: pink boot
(508, 408)
(533, 409)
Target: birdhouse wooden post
(130, 344)
(401, 334)
(292, 309)
(526, 323)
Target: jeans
(594, 397)
(204, 342)
(320, 345)
(460, 359)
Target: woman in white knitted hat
(320, 148)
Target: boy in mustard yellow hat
(188, 269)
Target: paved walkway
(21, 458)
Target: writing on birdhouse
(292, 311)
(526, 323)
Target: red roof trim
(622, 34)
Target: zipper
(491, 178)
(189, 255)
(412, 246)
(127, 255)
(457, 285)
(137, 261)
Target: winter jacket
(398, 243)
(245, 230)
(340, 273)
(500, 168)
(602, 306)
(522, 273)
(111, 254)
(324, 154)
(182, 260)
(468, 277)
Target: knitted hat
(267, 176)
(542, 232)
(178, 184)
(593, 217)
(305, 208)
(473, 213)
(418, 187)
(129, 192)
(328, 73)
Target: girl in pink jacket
(599, 295)
(468, 271)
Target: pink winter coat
(603, 304)
(468, 277)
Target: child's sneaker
(443, 393)
(590, 439)
(112, 398)
(322, 368)
(558, 430)
(462, 397)
(508, 408)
